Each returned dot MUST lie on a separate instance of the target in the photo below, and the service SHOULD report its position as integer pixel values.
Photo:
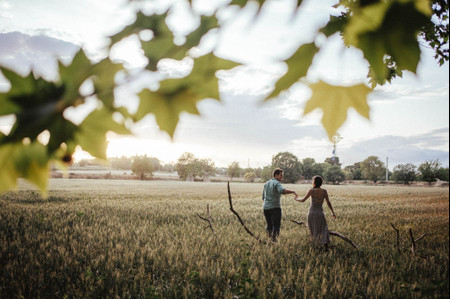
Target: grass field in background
(133, 239)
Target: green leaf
(334, 25)
(162, 44)
(240, 3)
(181, 95)
(388, 29)
(206, 24)
(335, 101)
(8, 172)
(91, 135)
(72, 76)
(167, 106)
(38, 107)
(19, 85)
(29, 161)
(142, 22)
(203, 80)
(298, 65)
(104, 73)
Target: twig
(239, 217)
(175, 239)
(413, 248)
(421, 237)
(398, 237)
(333, 233)
(299, 223)
(414, 241)
(208, 220)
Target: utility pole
(334, 140)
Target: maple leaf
(91, 133)
(335, 101)
(29, 161)
(181, 95)
(298, 65)
(388, 29)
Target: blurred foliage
(386, 32)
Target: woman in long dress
(317, 223)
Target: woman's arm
(306, 196)
(329, 204)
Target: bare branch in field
(209, 220)
(413, 248)
(398, 237)
(421, 237)
(333, 233)
(239, 217)
(414, 241)
(299, 223)
(176, 240)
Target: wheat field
(132, 239)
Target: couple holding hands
(317, 223)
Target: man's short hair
(277, 171)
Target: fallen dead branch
(239, 217)
(398, 237)
(414, 241)
(208, 220)
(299, 223)
(333, 233)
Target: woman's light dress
(316, 219)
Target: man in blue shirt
(272, 203)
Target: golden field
(133, 239)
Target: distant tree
(353, 172)
(321, 168)
(308, 168)
(83, 163)
(290, 164)
(141, 166)
(207, 169)
(429, 171)
(372, 169)
(334, 161)
(258, 172)
(123, 163)
(266, 173)
(187, 166)
(234, 170)
(334, 174)
(249, 177)
(443, 174)
(404, 173)
(155, 163)
(168, 167)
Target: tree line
(190, 168)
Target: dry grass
(95, 238)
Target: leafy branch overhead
(387, 33)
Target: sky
(409, 118)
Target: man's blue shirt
(272, 194)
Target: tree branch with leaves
(387, 33)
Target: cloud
(21, 53)
(414, 149)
